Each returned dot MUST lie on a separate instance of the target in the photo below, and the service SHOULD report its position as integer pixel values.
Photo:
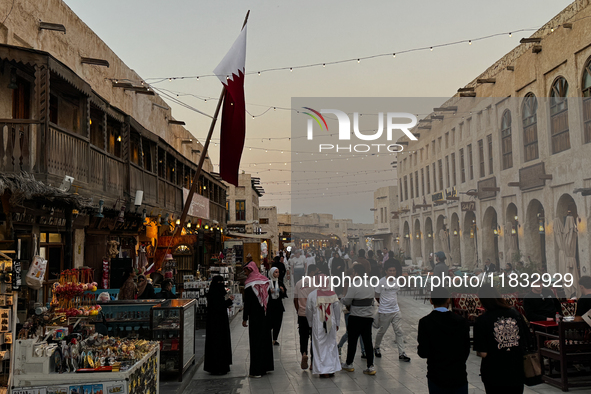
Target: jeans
(435, 389)
(360, 326)
(305, 332)
(346, 336)
(384, 321)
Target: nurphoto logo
(344, 132)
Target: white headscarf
(274, 283)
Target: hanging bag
(36, 273)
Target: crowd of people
(500, 335)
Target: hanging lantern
(472, 232)
(99, 214)
(541, 227)
(495, 231)
(513, 231)
(121, 217)
(418, 235)
(407, 236)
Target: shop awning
(251, 236)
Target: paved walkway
(392, 375)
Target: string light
(358, 59)
(469, 42)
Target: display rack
(173, 325)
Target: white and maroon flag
(233, 128)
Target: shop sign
(529, 177)
(451, 193)
(52, 221)
(490, 182)
(236, 229)
(23, 217)
(199, 205)
(437, 196)
(468, 206)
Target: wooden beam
(425, 127)
(491, 189)
(460, 90)
(438, 117)
(442, 109)
(486, 80)
(425, 120)
(530, 40)
(510, 68)
(52, 26)
(416, 134)
(514, 184)
(403, 143)
(96, 62)
(536, 49)
(546, 176)
(471, 193)
(122, 85)
(453, 198)
(147, 92)
(423, 206)
(179, 122)
(468, 94)
(567, 25)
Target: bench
(570, 345)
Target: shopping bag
(532, 369)
(36, 273)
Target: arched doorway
(455, 237)
(416, 250)
(428, 238)
(440, 225)
(406, 243)
(490, 236)
(534, 234)
(511, 235)
(470, 240)
(567, 215)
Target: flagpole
(201, 160)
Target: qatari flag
(233, 128)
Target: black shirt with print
(501, 333)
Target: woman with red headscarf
(256, 297)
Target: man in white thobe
(323, 311)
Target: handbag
(532, 369)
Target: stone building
(496, 168)
(385, 210)
(269, 226)
(242, 205)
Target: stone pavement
(392, 375)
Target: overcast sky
(188, 38)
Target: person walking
(302, 290)
(323, 312)
(278, 263)
(275, 307)
(360, 301)
(389, 311)
(350, 273)
(441, 269)
(256, 297)
(298, 266)
(500, 338)
(218, 342)
(444, 340)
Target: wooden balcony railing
(20, 142)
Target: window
(440, 174)
(265, 221)
(401, 190)
(587, 103)
(147, 155)
(170, 168)
(439, 145)
(412, 190)
(559, 116)
(416, 183)
(423, 180)
(470, 162)
(114, 137)
(453, 136)
(490, 153)
(240, 210)
(434, 179)
(427, 152)
(428, 180)
(506, 141)
(447, 171)
(405, 188)
(421, 155)
(336, 225)
(530, 127)
(21, 98)
(433, 148)
(135, 148)
(326, 225)
(481, 157)
(227, 211)
(97, 127)
(447, 140)
(462, 168)
(161, 163)
(453, 169)
(53, 108)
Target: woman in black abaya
(256, 297)
(218, 344)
